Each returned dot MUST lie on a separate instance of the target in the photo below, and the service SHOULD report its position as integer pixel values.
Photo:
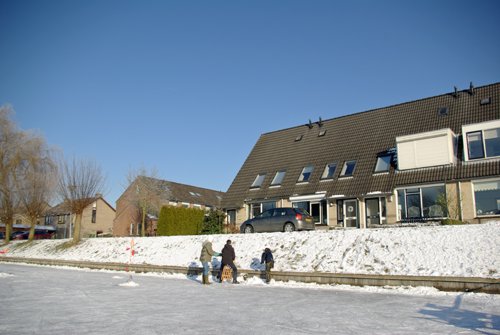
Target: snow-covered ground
(465, 250)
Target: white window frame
(280, 175)
(474, 196)
(259, 180)
(301, 176)
(344, 169)
(324, 176)
(478, 127)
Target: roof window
(329, 171)
(443, 111)
(258, 180)
(485, 101)
(278, 178)
(298, 138)
(305, 174)
(322, 133)
(348, 169)
(383, 163)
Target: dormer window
(329, 171)
(278, 178)
(305, 174)
(483, 143)
(482, 140)
(348, 169)
(258, 180)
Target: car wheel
(289, 227)
(248, 229)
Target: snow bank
(465, 251)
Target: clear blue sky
(189, 86)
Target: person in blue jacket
(267, 258)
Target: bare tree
(10, 157)
(78, 183)
(145, 193)
(35, 180)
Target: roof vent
(310, 125)
(485, 101)
(455, 92)
(471, 88)
(320, 122)
(443, 111)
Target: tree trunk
(143, 226)
(8, 231)
(31, 236)
(77, 228)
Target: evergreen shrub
(179, 221)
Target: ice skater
(267, 258)
(207, 252)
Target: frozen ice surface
(48, 300)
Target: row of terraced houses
(424, 160)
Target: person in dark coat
(267, 258)
(228, 257)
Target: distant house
(423, 160)
(21, 222)
(97, 218)
(165, 193)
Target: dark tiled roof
(361, 137)
(171, 191)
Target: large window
(483, 143)
(278, 178)
(258, 180)
(348, 169)
(329, 171)
(487, 197)
(306, 173)
(422, 202)
(259, 207)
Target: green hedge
(180, 221)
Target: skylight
(443, 111)
(258, 180)
(329, 171)
(348, 168)
(306, 173)
(383, 163)
(278, 178)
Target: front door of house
(316, 212)
(351, 213)
(372, 211)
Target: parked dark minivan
(279, 219)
